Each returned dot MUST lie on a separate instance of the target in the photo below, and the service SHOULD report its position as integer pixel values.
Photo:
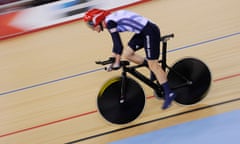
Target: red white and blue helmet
(95, 16)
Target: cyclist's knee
(128, 53)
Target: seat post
(164, 40)
(164, 55)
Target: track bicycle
(121, 99)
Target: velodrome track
(49, 81)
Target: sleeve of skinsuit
(117, 42)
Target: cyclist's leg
(157, 70)
(152, 50)
(136, 43)
(161, 77)
(130, 54)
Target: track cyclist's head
(95, 18)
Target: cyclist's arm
(116, 39)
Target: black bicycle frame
(132, 70)
(157, 87)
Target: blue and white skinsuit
(146, 35)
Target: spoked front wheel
(113, 109)
(190, 79)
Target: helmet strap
(101, 26)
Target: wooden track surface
(49, 81)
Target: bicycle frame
(157, 87)
(148, 81)
(132, 70)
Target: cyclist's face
(96, 28)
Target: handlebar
(167, 37)
(111, 60)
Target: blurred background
(13, 5)
(21, 16)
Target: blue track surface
(219, 129)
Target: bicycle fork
(123, 87)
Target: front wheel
(112, 109)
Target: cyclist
(146, 35)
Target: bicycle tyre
(108, 101)
(197, 72)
